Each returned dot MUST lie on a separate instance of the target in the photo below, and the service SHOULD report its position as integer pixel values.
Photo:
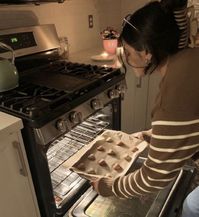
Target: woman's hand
(103, 186)
(143, 135)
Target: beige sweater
(175, 128)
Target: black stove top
(31, 100)
(56, 88)
(69, 76)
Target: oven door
(67, 185)
(165, 203)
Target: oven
(64, 106)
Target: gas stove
(49, 85)
(61, 86)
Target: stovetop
(50, 86)
(70, 76)
(56, 88)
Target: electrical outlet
(90, 21)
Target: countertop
(85, 56)
(9, 124)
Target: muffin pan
(111, 154)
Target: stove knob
(121, 88)
(60, 125)
(112, 94)
(96, 104)
(75, 117)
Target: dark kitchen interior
(63, 102)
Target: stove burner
(32, 100)
(55, 88)
(86, 71)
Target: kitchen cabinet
(17, 192)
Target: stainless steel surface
(113, 94)
(67, 121)
(96, 104)
(22, 169)
(45, 36)
(75, 117)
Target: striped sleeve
(172, 144)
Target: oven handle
(22, 170)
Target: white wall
(130, 6)
(70, 18)
(109, 13)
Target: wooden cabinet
(16, 187)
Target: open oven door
(166, 203)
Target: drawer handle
(22, 170)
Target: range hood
(37, 2)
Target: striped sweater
(175, 128)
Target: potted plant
(110, 40)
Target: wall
(70, 18)
(109, 13)
(129, 6)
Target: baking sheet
(111, 154)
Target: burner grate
(85, 71)
(33, 100)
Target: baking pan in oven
(165, 203)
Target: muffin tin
(111, 154)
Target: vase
(110, 45)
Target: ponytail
(178, 10)
(172, 5)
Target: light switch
(90, 21)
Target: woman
(156, 38)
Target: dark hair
(157, 31)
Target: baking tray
(111, 154)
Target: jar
(64, 47)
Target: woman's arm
(143, 135)
(172, 143)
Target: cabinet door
(17, 194)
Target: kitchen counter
(9, 124)
(85, 57)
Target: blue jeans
(191, 204)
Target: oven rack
(63, 180)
